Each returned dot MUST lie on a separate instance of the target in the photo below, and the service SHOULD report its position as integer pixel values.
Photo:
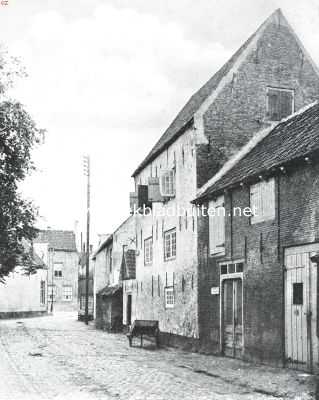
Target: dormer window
(280, 103)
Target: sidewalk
(271, 381)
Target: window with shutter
(262, 201)
(280, 103)
(217, 226)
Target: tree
(18, 136)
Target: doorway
(301, 341)
(129, 310)
(232, 317)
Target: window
(170, 244)
(82, 302)
(167, 183)
(297, 293)
(58, 270)
(231, 268)
(148, 251)
(169, 297)
(262, 201)
(52, 292)
(280, 103)
(67, 293)
(217, 226)
(42, 292)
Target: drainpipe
(315, 259)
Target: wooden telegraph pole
(86, 165)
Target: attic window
(280, 103)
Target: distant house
(258, 295)
(270, 77)
(110, 265)
(58, 249)
(24, 294)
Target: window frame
(279, 89)
(148, 244)
(169, 233)
(171, 290)
(271, 216)
(60, 275)
(168, 178)
(64, 295)
(55, 292)
(42, 292)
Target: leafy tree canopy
(18, 136)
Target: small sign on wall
(214, 290)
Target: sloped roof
(107, 241)
(108, 291)
(58, 240)
(185, 116)
(36, 261)
(294, 138)
(128, 265)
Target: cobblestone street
(61, 358)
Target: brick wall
(261, 246)
(240, 109)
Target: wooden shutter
(286, 103)
(262, 200)
(217, 227)
(172, 182)
(133, 201)
(273, 105)
(154, 193)
(255, 202)
(268, 199)
(142, 193)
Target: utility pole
(51, 261)
(86, 165)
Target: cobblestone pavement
(60, 358)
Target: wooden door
(301, 342)
(129, 310)
(232, 324)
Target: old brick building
(58, 249)
(267, 79)
(258, 292)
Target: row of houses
(236, 282)
(53, 283)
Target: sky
(107, 77)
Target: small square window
(239, 267)
(223, 269)
(231, 268)
(297, 293)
